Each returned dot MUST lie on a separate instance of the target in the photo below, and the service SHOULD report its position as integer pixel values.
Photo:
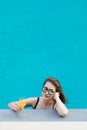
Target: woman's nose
(47, 93)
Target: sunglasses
(50, 91)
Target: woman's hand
(14, 106)
(56, 95)
(59, 106)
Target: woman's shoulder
(31, 100)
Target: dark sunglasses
(50, 91)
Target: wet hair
(58, 87)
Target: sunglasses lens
(51, 92)
(45, 89)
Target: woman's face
(48, 90)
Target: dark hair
(58, 87)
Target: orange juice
(22, 104)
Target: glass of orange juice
(22, 104)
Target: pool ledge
(42, 115)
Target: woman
(52, 98)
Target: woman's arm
(59, 106)
(19, 105)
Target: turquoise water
(40, 39)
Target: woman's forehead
(49, 85)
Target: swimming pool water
(40, 39)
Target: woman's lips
(46, 96)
